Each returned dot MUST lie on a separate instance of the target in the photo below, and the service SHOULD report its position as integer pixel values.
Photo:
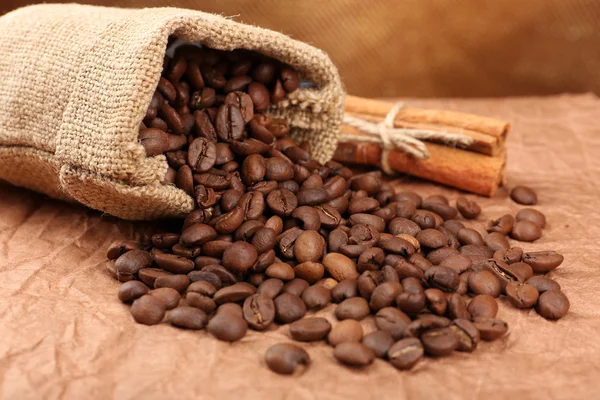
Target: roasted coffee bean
(425, 322)
(309, 246)
(278, 169)
(314, 181)
(552, 304)
(345, 289)
(229, 123)
(436, 301)
(523, 195)
(286, 241)
(397, 246)
(310, 329)
(450, 237)
(232, 309)
(239, 257)
(173, 263)
(197, 235)
(529, 214)
(392, 321)
(203, 261)
(355, 308)
(476, 250)
(405, 353)
(289, 79)
(227, 326)
(503, 225)
(148, 310)
(309, 217)
(468, 208)
(431, 238)
(496, 241)
(522, 295)
(436, 256)
(330, 217)
(149, 275)
(295, 286)
(270, 288)
(309, 271)
(154, 141)
(379, 342)
(345, 331)
(312, 197)
(542, 261)
(410, 196)
(178, 282)
(490, 329)
(509, 256)
(389, 274)
(419, 261)
(340, 267)
(459, 263)
(468, 236)
(424, 219)
(543, 284)
(259, 311)
(368, 219)
(168, 296)
(370, 259)
(443, 210)
(439, 342)
(367, 282)
(282, 202)
(253, 169)
(285, 358)
(209, 277)
(484, 282)
(411, 303)
(384, 295)
(118, 248)
(316, 297)
(526, 231)
(234, 293)
(132, 290)
(165, 240)
(453, 226)
(457, 307)
(188, 317)
(467, 333)
(354, 354)
(241, 100)
(369, 182)
(202, 287)
(483, 306)
(289, 308)
(129, 263)
(443, 278)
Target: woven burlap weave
(76, 82)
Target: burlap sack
(76, 83)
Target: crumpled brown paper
(64, 334)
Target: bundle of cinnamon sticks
(478, 168)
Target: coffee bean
(227, 326)
(436, 256)
(443, 278)
(132, 290)
(232, 309)
(309, 246)
(424, 219)
(496, 241)
(469, 236)
(532, 215)
(340, 267)
(423, 323)
(174, 263)
(355, 308)
(431, 238)
(476, 250)
(379, 342)
(285, 358)
(411, 303)
(310, 329)
(523, 195)
(543, 284)
(405, 353)
(443, 210)
(234, 293)
(522, 295)
(483, 306)
(552, 304)
(468, 208)
(543, 261)
(168, 296)
(149, 275)
(490, 329)
(502, 225)
(509, 256)
(316, 297)
(467, 333)
(384, 295)
(259, 311)
(118, 248)
(289, 79)
(148, 310)
(270, 288)
(526, 231)
(178, 282)
(392, 321)
(368, 219)
(154, 141)
(354, 354)
(345, 331)
(309, 271)
(436, 301)
(202, 287)
(345, 289)
(295, 287)
(129, 263)
(239, 257)
(280, 270)
(253, 169)
(282, 202)
(289, 308)
(457, 307)
(188, 317)
(197, 235)
(367, 282)
(459, 263)
(484, 282)
(439, 342)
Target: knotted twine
(408, 140)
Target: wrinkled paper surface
(64, 334)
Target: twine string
(408, 140)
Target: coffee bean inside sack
(276, 236)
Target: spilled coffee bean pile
(276, 235)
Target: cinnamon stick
(482, 143)
(466, 170)
(477, 123)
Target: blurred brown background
(431, 48)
